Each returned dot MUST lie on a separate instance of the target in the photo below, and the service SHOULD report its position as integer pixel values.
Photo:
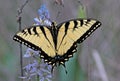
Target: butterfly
(57, 43)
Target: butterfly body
(57, 43)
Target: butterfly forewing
(72, 31)
(37, 37)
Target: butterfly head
(54, 24)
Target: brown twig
(19, 12)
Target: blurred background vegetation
(98, 57)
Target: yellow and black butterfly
(57, 43)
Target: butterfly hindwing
(74, 31)
(37, 38)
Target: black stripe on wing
(25, 42)
(96, 25)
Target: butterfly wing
(69, 34)
(73, 32)
(37, 38)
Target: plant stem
(38, 78)
(20, 27)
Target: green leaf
(82, 12)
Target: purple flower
(36, 66)
(30, 52)
(45, 71)
(42, 69)
(43, 13)
(44, 17)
